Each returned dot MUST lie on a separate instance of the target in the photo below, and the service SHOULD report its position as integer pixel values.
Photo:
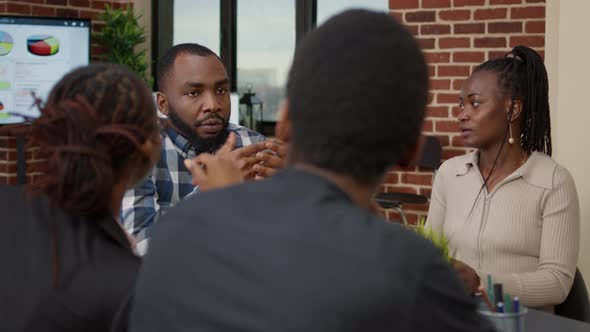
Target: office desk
(538, 321)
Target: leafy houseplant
(438, 239)
(120, 36)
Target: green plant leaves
(120, 36)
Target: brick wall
(457, 35)
(52, 8)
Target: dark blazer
(292, 253)
(61, 273)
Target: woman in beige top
(508, 209)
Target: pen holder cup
(507, 322)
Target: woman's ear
(283, 129)
(514, 110)
(162, 102)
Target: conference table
(538, 321)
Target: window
(328, 8)
(197, 21)
(266, 41)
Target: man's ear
(283, 129)
(410, 158)
(162, 102)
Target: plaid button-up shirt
(168, 183)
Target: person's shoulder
(543, 171)
(245, 136)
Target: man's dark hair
(167, 60)
(357, 93)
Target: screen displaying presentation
(34, 54)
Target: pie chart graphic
(43, 45)
(6, 43)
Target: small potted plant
(438, 239)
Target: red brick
(97, 26)
(535, 27)
(89, 14)
(439, 84)
(36, 166)
(8, 168)
(425, 192)
(43, 11)
(3, 155)
(530, 41)
(454, 15)
(460, 3)
(437, 112)
(504, 27)
(414, 207)
(437, 57)
(449, 153)
(527, 12)
(505, 2)
(403, 4)
(468, 28)
(468, 57)
(442, 126)
(453, 42)
(461, 71)
(490, 14)
(447, 98)
(530, 1)
(80, 3)
(490, 42)
(18, 8)
(57, 2)
(458, 141)
(33, 1)
(7, 142)
(413, 29)
(427, 126)
(436, 3)
(391, 178)
(496, 54)
(458, 84)
(455, 111)
(431, 71)
(435, 29)
(421, 16)
(122, 5)
(66, 12)
(101, 4)
(426, 43)
(443, 139)
(398, 16)
(430, 98)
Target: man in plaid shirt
(194, 95)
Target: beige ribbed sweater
(525, 233)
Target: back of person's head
(166, 62)
(93, 129)
(522, 75)
(357, 93)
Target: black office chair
(430, 158)
(576, 305)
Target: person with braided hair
(508, 209)
(69, 265)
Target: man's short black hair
(166, 62)
(357, 93)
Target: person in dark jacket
(302, 250)
(67, 263)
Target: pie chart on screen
(6, 43)
(43, 45)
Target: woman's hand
(467, 275)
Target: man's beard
(208, 145)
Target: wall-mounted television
(35, 52)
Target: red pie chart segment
(43, 45)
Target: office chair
(576, 305)
(430, 158)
